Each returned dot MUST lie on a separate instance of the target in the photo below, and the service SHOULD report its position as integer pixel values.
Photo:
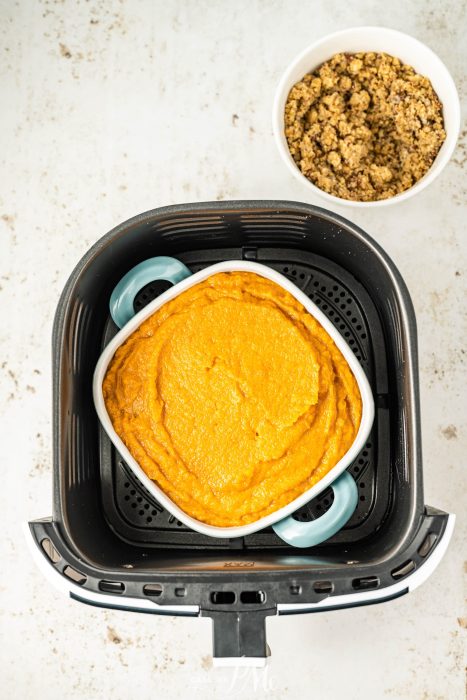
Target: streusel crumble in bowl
(367, 116)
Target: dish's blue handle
(151, 270)
(300, 534)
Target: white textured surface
(109, 112)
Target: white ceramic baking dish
(300, 534)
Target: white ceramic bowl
(378, 39)
(151, 486)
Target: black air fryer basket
(109, 543)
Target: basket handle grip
(299, 534)
(151, 270)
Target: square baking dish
(109, 543)
(150, 270)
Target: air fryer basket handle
(240, 634)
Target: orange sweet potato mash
(233, 399)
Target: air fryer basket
(110, 544)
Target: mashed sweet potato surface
(233, 399)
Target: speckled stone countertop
(110, 109)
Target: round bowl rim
(441, 159)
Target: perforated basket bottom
(138, 517)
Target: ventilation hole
(133, 492)
(286, 269)
(368, 444)
(74, 575)
(351, 342)
(362, 498)
(295, 590)
(146, 506)
(330, 294)
(133, 505)
(302, 276)
(406, 568)
(152, 589)
(359, 328)
(139, 499)
(342, 294)
(361, 461)
(365, 453)
(154, 512)
(179, 524)
(348, 313)
(362, 484)
(354, 320)
(323, 289)
(252, 597)
(336, 288)
(364, 584)
(317, 302)
(50, 550)
(315, 284)
(323, 587)
(141, 512)
(331, 312)
(111, 586)
(180, 592)
(222, 597)
(363, 336)
(319, 507)
(294, 273)
(349, 301)
(346, 334)
(356, 470)
(149, 519)
(127, 498)
(324, 307)
(326, 501)
(127, 484)
(427, 544)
